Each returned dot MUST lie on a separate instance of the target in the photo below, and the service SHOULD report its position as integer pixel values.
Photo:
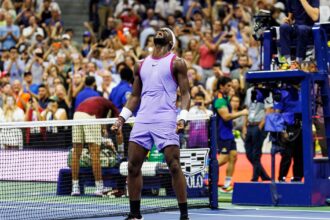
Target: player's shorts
(161, 134)
(86, 133)
(225, 146)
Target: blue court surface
(237, 213)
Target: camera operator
(288, 102)
(259, 102)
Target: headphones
(173, 36)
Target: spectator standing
(9, 34)
(37, 66)
(130, 20)
(20, 96)
(164, 8)
(235, 106)
(107, 84)
(208, 51)
(44, 12)
(28, 85)
(43, 94)
(33, 113)
(87, 92)
(105, 10)
(11, 137)
(53, 111)
(55, 136)
(120, 93)
(240, 72)
(110, 29)
(198, 131)
(14, 66)
(29, 33)
(63, 100)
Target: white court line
(253, 216)
(275, 209)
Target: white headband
(173, 36)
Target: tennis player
(156, 79)
(91, 108)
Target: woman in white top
(11, 137)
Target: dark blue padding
(111, 177)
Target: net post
(213, 165)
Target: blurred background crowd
(46, 72)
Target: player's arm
(226, 116)
(180, 72)
(132, 102)
(222, 109)
(313, 12)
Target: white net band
(100, 121)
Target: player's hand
(287, 20)
(245, 112)
(117, 126)
(180, 126)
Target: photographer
(37, 66)
(287, 101)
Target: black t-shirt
(62, 104)
(299, 14)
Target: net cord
(100, 121)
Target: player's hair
(200, 94)
(223, 81)
(42, 86)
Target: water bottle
(121, 150)
(273, 63)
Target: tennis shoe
(132, 217)
(75, 190)
(98, 192)
(228, 189)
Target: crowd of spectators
(46, 72)
(41, 63)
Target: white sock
(75, 182)
(288, 58)
(99, 184)
(227, 181)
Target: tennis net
(36, 175)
